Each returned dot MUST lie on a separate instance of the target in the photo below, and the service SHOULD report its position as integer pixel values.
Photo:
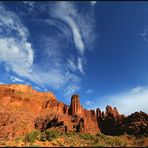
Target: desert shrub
(70, 134)
(51, 134)
(87, 136)
(18, 140)
(111, 140)
(43, 136)
(32, 136)
(115, 141)
(101, 135)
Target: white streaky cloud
(11, 22)
(54, 69)
(88, 102)
(29, 3)
(70, 89)
(14, 55)
(76, 35)
(86, 24)
(54, 73)
(16, 79)
(128, 102)
(15, 50)
(145, 34)
(80, 65)
(93, 3)
(137, 89)
(53, 78)
(66, 12)
(71, 65)
(37, 88)
(72, 83)
(89, 91)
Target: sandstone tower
(75, 107)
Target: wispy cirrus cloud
(15, 51)
(89, 104)
(89, 91)
(53, 69)
(93, 3)
(16, 79)
(66, 11)
(144, 34)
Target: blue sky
(96, 49)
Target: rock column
(75, 107)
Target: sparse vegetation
(72, 139)
(18, 140)
(87, 136)
(43, 136)
(50, 135)
(31, 137)
(47, 135)
(110, 140)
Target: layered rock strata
(23, 109)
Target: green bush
(114, 141)
(111, 140)
(71, 134)
(101, 135)
(87, 136)
(31, 137)
(18, 140)
(43, 136)
(51, 134)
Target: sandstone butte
(23, 109)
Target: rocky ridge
(23, 109)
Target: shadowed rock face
(23, 109)
(136, 124)
(112, 123)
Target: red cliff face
(23, 109)
(88, 117)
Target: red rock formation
(55, 106)
(23, 109)
(23, 101)
(136, 124)
(90, 122)
(112, 123)
(75, 107)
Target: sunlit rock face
(28, 109)
(88, 117)
(75, 107)
(21, 105)
(24, 97)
